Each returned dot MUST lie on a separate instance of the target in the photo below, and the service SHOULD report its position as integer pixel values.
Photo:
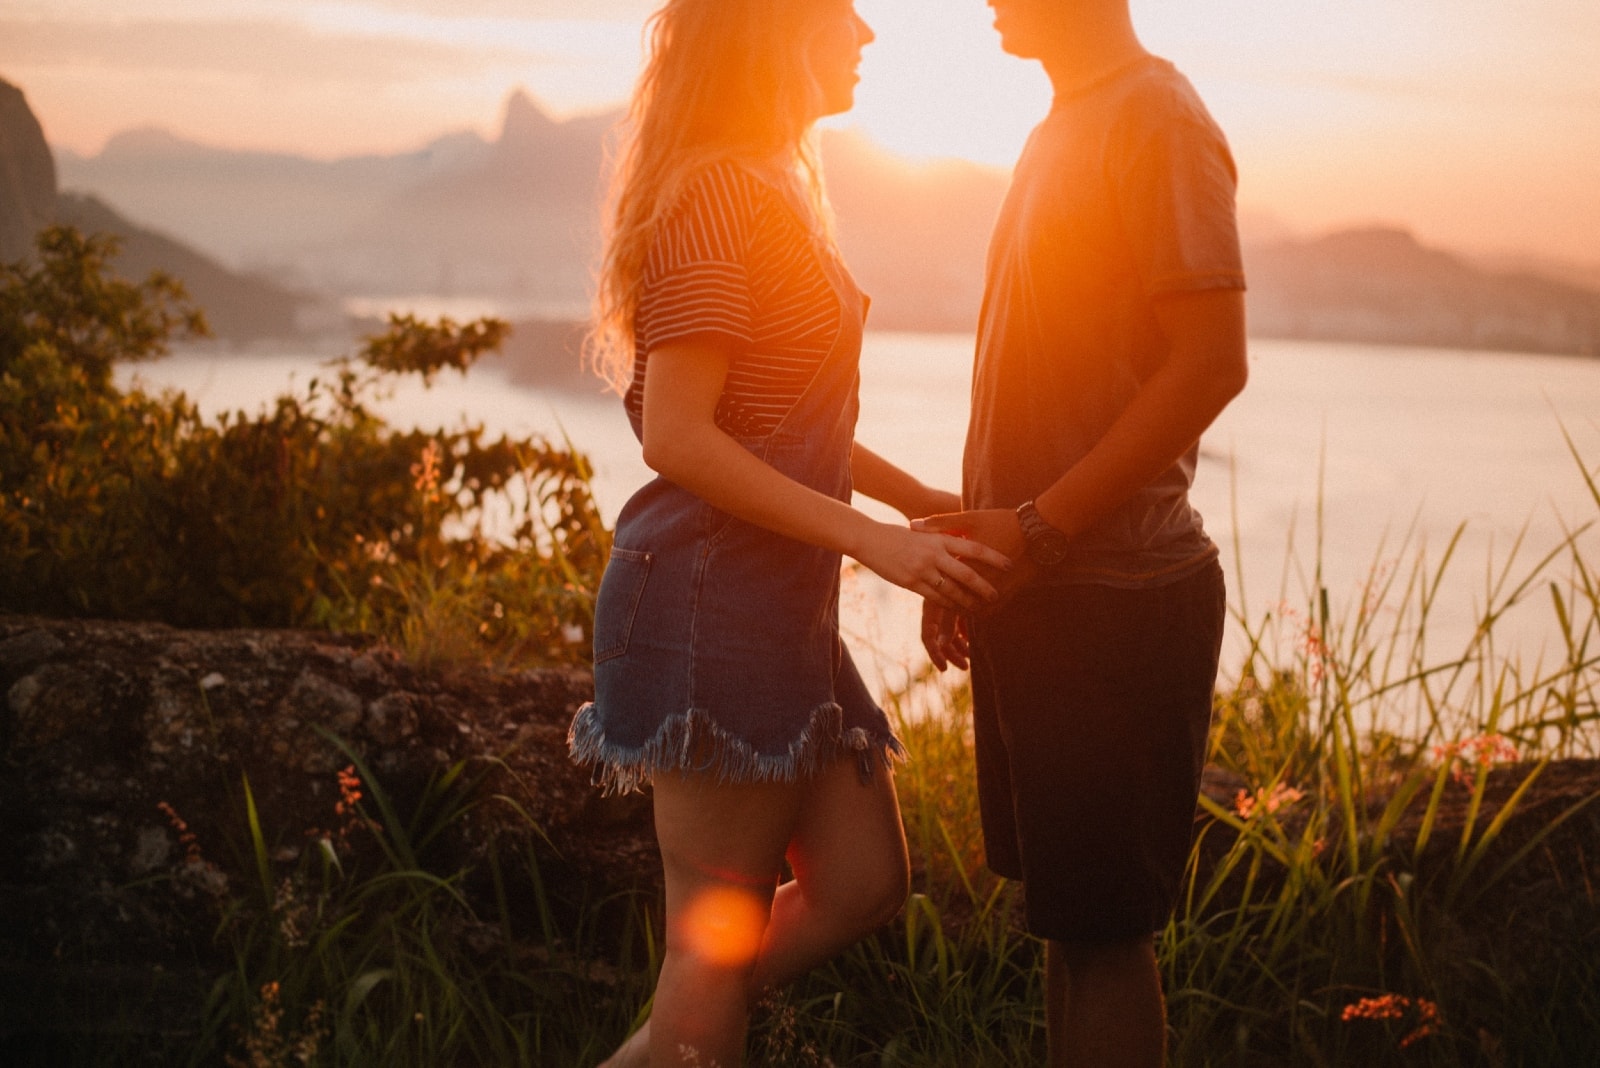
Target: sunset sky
(1474, 122)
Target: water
(1388, 440)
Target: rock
(27, 176)
(24, 650)
(127, 749)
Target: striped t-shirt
(734, 265)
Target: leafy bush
(312, 512)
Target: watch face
(1047, 549)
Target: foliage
(312, 512)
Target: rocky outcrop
(109, 733)
(27, 176)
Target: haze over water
(1390, 441)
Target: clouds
(595, 10)
(327, 78)
(270, 51)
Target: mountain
(515, 219)
(254, 210)
(240, 309)
(1382, 285)
(27, 176)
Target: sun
(935, 84)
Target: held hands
(944, 631)
(943, 568)
(999, 529)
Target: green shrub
(312, 512)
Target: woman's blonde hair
(723, 79)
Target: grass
(1353, 895)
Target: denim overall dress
(716, 641)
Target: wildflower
(1425, 1014)
(1312, 643)
(196, 870)
(293, 914)
(425, 472)
(348, 812)
(349, 790)
(1245, 802)
(1471, 755)
(186, 837)
(266, 1047)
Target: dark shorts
(1092, 706)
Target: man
(1112, 334)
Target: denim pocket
(620, 590)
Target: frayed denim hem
(621, 770)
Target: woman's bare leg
(722, 848)
(851, 874)
(848, 854)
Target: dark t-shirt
(1124, 193)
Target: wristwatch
(1047, 546)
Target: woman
(727, 318)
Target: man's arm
(1206, 367)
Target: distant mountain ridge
(1380, 284)
(515, 219)
(239, 308)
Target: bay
(1339, 463)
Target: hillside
(239, 308)
(1382, 285)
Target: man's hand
(999, 529)
(944, 636)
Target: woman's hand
(933, 565)
(997, 529)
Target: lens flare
(724, 926)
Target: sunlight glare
(724, 926)
(936, 85)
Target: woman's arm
(881, 480)
(682, 443)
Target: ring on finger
(940, 583)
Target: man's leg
(1103, 1005)
(1101, 699)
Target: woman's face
(833, 52)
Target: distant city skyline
(1475, 123)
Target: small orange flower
(425, 472)
(1470, 755)
(1428, 1019)
(1281, 795)
(186, 837)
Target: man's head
(1039, 29)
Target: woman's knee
(872, 891)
